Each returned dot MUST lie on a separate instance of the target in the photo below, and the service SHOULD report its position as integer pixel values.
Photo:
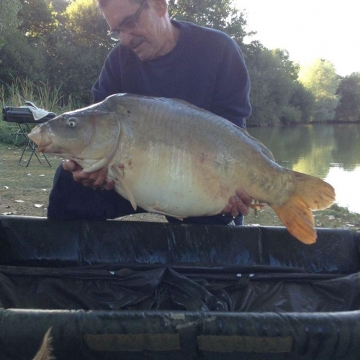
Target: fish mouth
(41, 139)
(44, 147)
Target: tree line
(63, 43)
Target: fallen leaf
(39, 205)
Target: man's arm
(231, 99)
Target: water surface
(331, 152)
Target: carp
(175, 159)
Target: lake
(331, 152)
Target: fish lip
(43, 147)
(40, 138)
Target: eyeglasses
(127, 25)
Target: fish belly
(174, 182)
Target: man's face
(148, 38)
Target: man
(157, 57)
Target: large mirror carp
(172, 158)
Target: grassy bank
(42, 95)
(25, 191)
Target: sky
(308, 29)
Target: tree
(290, 68)
(88, 27)
(217, 14)
(59, 6)
(321, 80)
(38, 18)
(349, 104)
(20, 60)
(273, 79)
(8, 18)
(303, 100)
(80, 47)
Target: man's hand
(238, 204)
(95, 180)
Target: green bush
(290, 114)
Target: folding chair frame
(25, 121)
(24, 129)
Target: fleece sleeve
(231, 95)
(109, 81)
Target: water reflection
(331, 152)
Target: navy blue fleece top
(205, 68)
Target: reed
(43, 95)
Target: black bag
(135, 290)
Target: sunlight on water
(347, 186)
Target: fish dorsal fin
(263, 148)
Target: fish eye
(72, 122)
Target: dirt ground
(24, 191)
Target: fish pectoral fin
(120, 179)
(256, 206)
(95, 166)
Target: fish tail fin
(311, 193)
(45, 352)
